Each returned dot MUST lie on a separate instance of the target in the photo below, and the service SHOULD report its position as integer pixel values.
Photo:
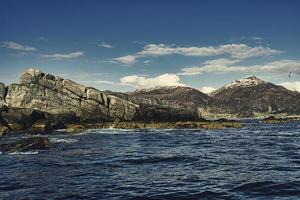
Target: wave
(183, 195)
(24, 153)
(269, 188)
(158, 159)
(64, 140)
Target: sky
(127, 45)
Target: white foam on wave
(105, 131)
(64, 140)
(24, 153)
(126, 131)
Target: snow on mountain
(162, 88)
(249, 81)
(245, 82)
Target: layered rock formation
(2, 94)
(62, 97)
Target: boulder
(40, 127)
(20, 118)
(16, 120)
(27, 144)
(270, 118)
(4, 129)
(273, 120)
(225, 120)
(31, 76)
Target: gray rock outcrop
(58, 96)
(27, 144)
(2, 94)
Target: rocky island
(42, 102)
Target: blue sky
(124, 45)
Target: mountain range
(247, 97)
(66, 100)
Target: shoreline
(69, 128)
(75, 128)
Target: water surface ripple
(256, 162)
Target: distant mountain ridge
(248, 97)
(252, 96)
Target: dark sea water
(256, 162)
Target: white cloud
(226, 66)
(17, 46)
(100, 82)
(217, 65)
(147, 61)
(221, 62)
(158, 81)
(295, 86)
(257, 38)
(42, 38)
(126, 60)
(236, 51)
(207, 89)
(61, 56)
(105, 45)
(239, 51)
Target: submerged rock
(40, 127)
(19, 119)
(4, 129)
(27, 144)
(274, 120)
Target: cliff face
(58, 96)
(250, 96)
(62, 100)
(2, 94)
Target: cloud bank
(17, 46)
(235, 51)
(295, 86)
(228, 65)
(126, 60)
(207, 89)
(62, 56)
(105, 45)
(145, 82)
